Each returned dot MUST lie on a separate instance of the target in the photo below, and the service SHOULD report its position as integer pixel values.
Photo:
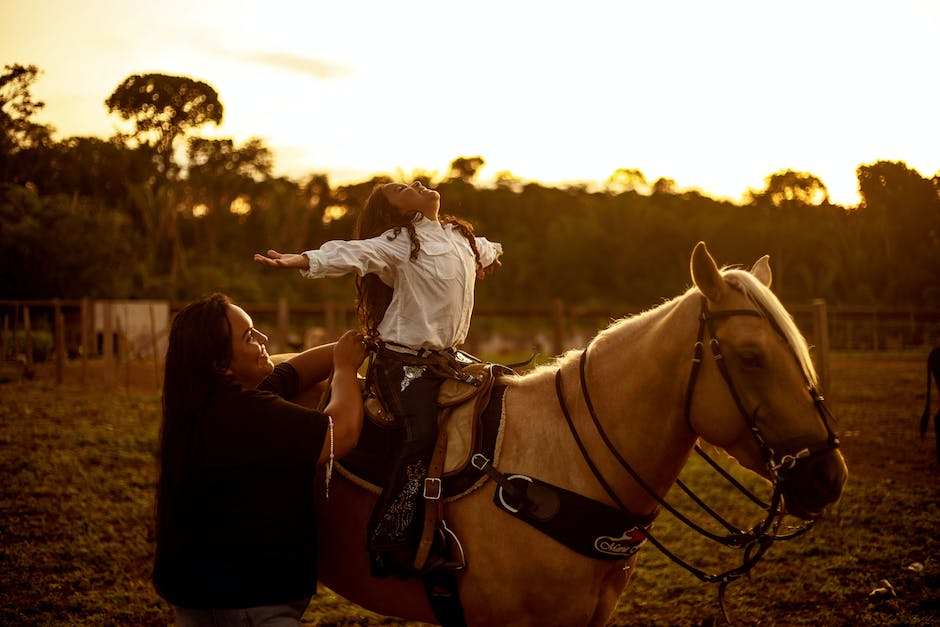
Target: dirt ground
(886, 528)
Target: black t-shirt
(244, 533)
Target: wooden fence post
(283, 324)
(86, 322)
(821, 335)
(59, 340)
(28, 338)
(108, 343)
(153, 347)
(5, 338)
(123, 342)
(331, 316)
(558, 326)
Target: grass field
(77, 468)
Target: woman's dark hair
(199, 350)
(378, 216)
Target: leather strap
(433, 493)
(441, 588)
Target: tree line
(159, 211)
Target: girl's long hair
(378, 216)
(200, 348)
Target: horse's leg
(344, 560)
(936, 428)
(519, 577)
(931, 367)
(611, 589)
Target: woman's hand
(349, 351)
(275, 259)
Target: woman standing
(236, 526)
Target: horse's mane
(767, 301)
(616, 326)
(758, 293)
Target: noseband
(758, 539)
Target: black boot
(395, 527)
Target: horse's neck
(636, 375)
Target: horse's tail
(933, 364)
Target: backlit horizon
(716, 96)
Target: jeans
(283, 615)
(410, 391)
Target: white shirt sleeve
(379, 255)
(489, 251)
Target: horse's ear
(705, 274)
(761, 269)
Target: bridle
(756, 540)
(775, 465)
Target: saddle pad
(459, 439)
(366, 465)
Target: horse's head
(754, 392)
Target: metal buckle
(438, 488)
(479, 461)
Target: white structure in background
(144, 324)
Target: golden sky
(714, 95)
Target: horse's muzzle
(813, 484)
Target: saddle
(460, 407)
(469, 419)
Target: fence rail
(119, 331)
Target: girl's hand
(490, 269)
(275, 259)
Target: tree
(465, 168)
(18, 132)
(61, 245)
(664, 186)
(790, 188)
(163, 108)
(219, 174)
(627, 180)
(901, 210)
(784, 213)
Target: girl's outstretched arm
(274, 259)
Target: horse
(933, 369)
(647, 395)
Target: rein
(754, 541)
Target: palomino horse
(760, 406)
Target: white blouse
(433, 294)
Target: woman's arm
(313, 365)
(345, 406)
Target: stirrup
(440, 562)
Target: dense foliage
(158, 211)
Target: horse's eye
(751, 361)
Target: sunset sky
(714, 95)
